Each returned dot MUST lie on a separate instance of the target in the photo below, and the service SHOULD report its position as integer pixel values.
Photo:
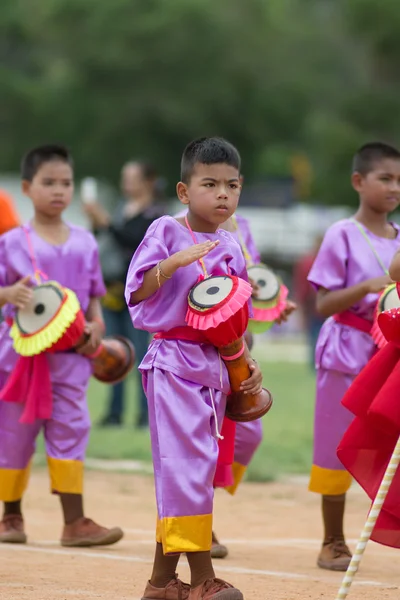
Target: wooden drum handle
(240, 406)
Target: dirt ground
(273, 532)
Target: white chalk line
(302, 544)
(224, 569)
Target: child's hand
(193, 253)
(97, 214)
(253, 385)
(289, 308)
(93, 332)
(256, 288)
(377, 284)
(20, 294)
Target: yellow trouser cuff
(66, 476)
(185, 534)
(238, 472)
(13, 483)
(329, 482)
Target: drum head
(210, 292)
(46, 302)
(389, 299)
(266, 280)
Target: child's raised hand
(377, 284)
(193, 253)
(20, 294)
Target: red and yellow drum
(54, 322)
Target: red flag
(368, 444)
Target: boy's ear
(25, 187)
(182, 192)
(357, 181)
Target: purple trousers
(66, 433)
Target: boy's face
(51, 188)
(213, 192)
(380, 188)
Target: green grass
(288, 427)
(286, 447)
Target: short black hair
(208, 151)
(370, 154)
(35, 158)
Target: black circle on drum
(39, 308)
(46, 302)
(210, 292)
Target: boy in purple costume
(350, 271)
(185, 381)
(52, 249)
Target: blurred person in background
(311, 321)
(118, 236)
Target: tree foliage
(140, 78)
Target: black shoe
(110, 421)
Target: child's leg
(328, 476)
(248, 437)
(17, 445)
(185, 451)
(66, 437)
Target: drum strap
(370, 244)
(201, 260)
(245, 250)
(37, 272)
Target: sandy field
(273, 532)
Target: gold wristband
(161, 273)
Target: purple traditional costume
(249, 435)
(186, 385)
(349, 255)
(75, 265)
